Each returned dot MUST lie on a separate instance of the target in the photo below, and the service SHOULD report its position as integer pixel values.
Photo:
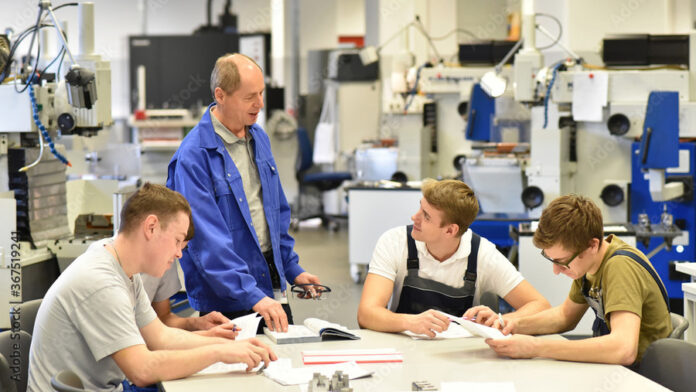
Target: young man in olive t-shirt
(612, 277)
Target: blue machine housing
(495, 227)
(684, 212)
(480, 115)
(660, 142)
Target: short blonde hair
(456, 201)
(158, 200)
(226, 73)
(571, 221)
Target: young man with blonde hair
(96, 319)
(438, 263)
(612, 277)
(242, 256)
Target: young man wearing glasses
(438, 263)
(612, 277)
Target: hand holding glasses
(310, 290)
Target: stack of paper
(378, 355)
(282, 372)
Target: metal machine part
(645, 49)
(82, 88)
(339, 382)
(618, 124)
(31, 122)
(422, 386)
(612, 195)
(532, 197)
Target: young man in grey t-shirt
(96, 319)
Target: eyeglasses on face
(561, 263)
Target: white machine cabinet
(689, 290)
(371, 212)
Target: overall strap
(412, 260)
(652, 272)
(472, 262)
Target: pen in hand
(501, 321)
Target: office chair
(6, 383)
(67, 381)
(26, 314)
(679, 326)
(670, 362)
(309, 177)
(8, 339)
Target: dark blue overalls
(593, 296)
(420, 294)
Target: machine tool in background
(613, 135)
(38, 106)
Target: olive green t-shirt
(629, 287)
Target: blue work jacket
(223, 265)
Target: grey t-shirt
(160, 289)
(90, 312)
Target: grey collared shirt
(242, 153)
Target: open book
(313, 330)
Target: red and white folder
(377, 355)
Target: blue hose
(548, 93)
(44, 132)
(414, 91)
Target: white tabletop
(467, 359)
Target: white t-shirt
(90, 312)
(494, 271)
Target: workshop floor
(325, 253)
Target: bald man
(242, 256)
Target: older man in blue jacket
(242, 255)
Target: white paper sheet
(477, 329)
(249, 324)
(590, 90)
(454, 331)
(224, 368)
(282, 372)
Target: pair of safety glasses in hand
(310, 291)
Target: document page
(477, 329)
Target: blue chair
(310, 179)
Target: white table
(689, 290)
(467, 359)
